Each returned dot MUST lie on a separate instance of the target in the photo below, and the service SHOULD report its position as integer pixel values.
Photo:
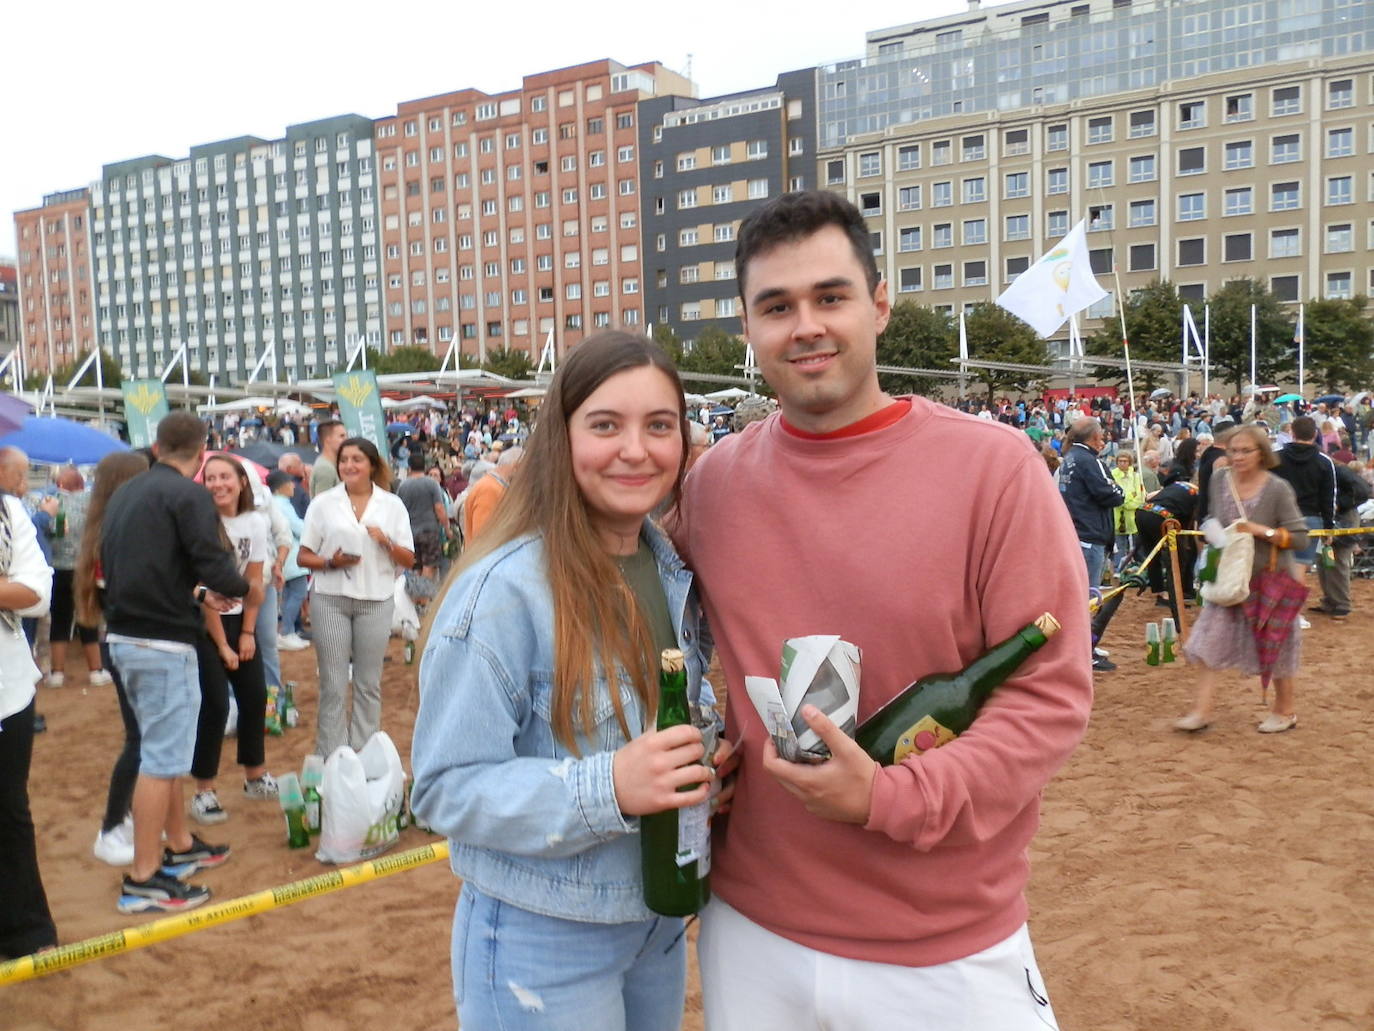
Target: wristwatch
(201, 592)
(1269, 534)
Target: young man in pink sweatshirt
(849, 895)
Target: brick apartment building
(506, 216)
(56, 314)
(9, 307)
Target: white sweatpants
(754, 980)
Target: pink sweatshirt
(923, 543)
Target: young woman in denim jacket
(524, 758)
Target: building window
(1192, 161)
(1284, 197)
(1236, 247)
(686, 199)
(975, 190)
(1284, 288)
(1057, 224)
(1240, 107)
(1285, 149)
(757, 149)
(1142, 168)
(1285, 100)
(944, 277)
(975, 273)
(687, 238)
(871, 203)
(1017, 227)
(941, 152)
(1239, 201)
(1285, 243)
(1015, 266)
(1240, 154)
(834, 172)
(1340, 238)
(909, 157)
(1192, 114)
(1340, 143)
(876, 241)
(757, 189)
(1142, 124)
(796, 145)
(1100, 130)
(909, 238)
(1141, 257)
(974, 148)
(1340, 189)
(1338, 286)
(1192, 252)
(1340, 93)
(1101, 218)
(870, 164)
(1100, 174)
(1192, 207)
(723, 194)
(909, 280)
(1016, 141)
(1017, 184)
(942, 194)
(975, 231)
(909, 198)
(724, 233)
(1057, 180)
(942, 235)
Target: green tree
(996, 335)
(1154, 325)
(1338, 344)
(714, 351)
(1275, 353)
(512, 364)
(664, 336)
(916, 337)
(406, 359)
(111, 372)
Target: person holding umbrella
(1259, 637)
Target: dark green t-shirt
(641, 573)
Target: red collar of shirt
(879, 420)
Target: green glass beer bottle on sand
(675, 845)
(938, 708)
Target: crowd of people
(557, 557)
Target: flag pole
(1207, 349)
(1302, 334)
(1126, 349)
(1254, 383)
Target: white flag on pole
(1060, 284)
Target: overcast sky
(87, 84)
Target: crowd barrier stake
(40, 964)
(1180, 604)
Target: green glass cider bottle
(938, 708)
(675, 845)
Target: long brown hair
(245, 501)
(597, 621)
(114, 470)
(380, 474)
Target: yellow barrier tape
(26, 968)
(1343, 531)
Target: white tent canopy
(419, 401)
(728, 394)
(247, 404)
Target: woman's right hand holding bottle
(648, 771)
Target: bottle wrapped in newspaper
(938, 708)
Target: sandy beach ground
(1184, 883)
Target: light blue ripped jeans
(514, 970)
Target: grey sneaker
(205, 808)
(262, 788)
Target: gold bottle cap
(1048, 625)
(672, 660)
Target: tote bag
(1232, 585)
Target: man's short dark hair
(416, 462)
(795, 216)
(324, 428)
(1304, 428)
(180, 435)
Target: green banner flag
(360, 406)
(145, 403)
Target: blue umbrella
(399, 427)
(1330, 399)
(54, 440)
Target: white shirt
(330, 526)
(248, 536)
(18, 673)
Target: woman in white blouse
(356, 541)
(26, 924)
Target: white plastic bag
(405, 618)
(362, 794)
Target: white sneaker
(1303, 624)
(205, 808)
(56, 679)
(100, 678)
(261, 788)
(116, 846)
(291, 643)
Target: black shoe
(1103, 665)
(160, 892)
(1163, 603)
(40, 724)
(201, 855)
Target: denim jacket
(529, 822)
